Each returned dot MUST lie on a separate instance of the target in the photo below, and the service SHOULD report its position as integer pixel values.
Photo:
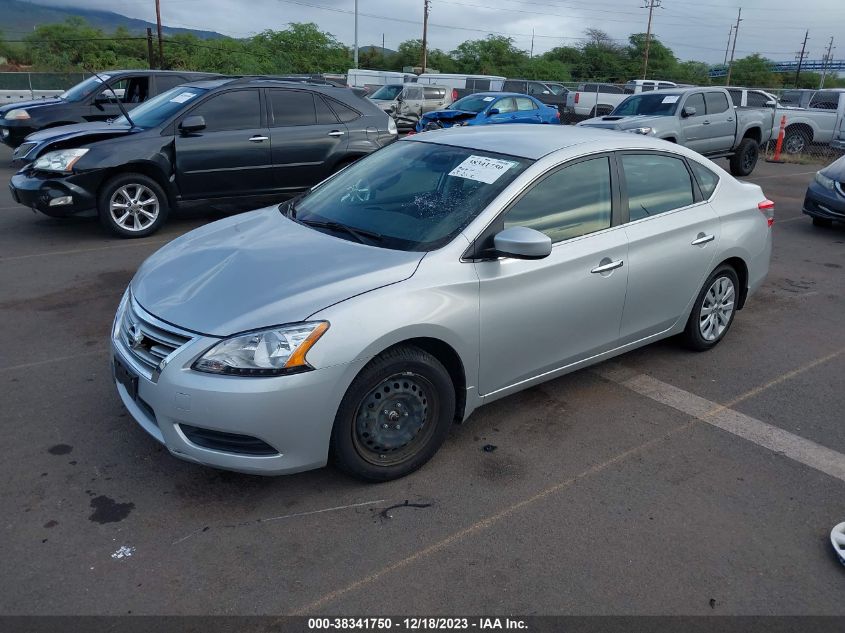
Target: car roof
(498, 94)
(535, 141)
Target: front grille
(147, 340)
(227, 442)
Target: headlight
(640, 130)
(18, 114)
(60, 160)
(268, 352)
(824, 181)
(118, 316)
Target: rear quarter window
(707, 180)
(343, 111)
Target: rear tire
(713, 311)
(394, 416)
(132, 205)
(744, 160)
(823, 222)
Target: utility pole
(426, 7)
(650, 6)
(733, 48)
(158, 27)
(355, 53)
(531, 56)
(728, 45)
(150, 48)
(827, 59)
(801, 57)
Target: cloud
(693, 30)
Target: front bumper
(54, 194)
(820, 202)
(292, 414)
(13, 132)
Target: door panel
(695, 131)
(540, 315)
(666, 270)
(232, 155)
(722, 118)
(305, 141)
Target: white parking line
(126, 244)
(761, 433)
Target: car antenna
(120, 105)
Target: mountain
(20, 17)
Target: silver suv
(406, 103)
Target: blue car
(486, 108)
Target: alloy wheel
(134, 207)
(717, 308)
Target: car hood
(260, 269)
(836, 170)
(65, 132)
(28, 105)
(611, 122)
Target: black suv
(232, 140)
(90, 100)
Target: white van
(462, 85)
(371, 80)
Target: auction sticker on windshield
(671, 99)
(183, 97)
(482, 169)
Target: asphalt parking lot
(665, 482)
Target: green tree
(754, 71)
(493, 55)
(662, 63)
(602, 59)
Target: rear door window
(525, 104)
(825, 100)
(292, 108)
(736, 97)
(717, 102)
(325, 115)
(505, 105)
(434, 93)
(656, 184)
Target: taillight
(577, 96)
(767, 208)
(557, 114)
(454, 94)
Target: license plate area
(126, 377)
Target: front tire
(394, 416)
(132, 205)
(713, 311)
(745, 158)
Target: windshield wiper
(359, 234)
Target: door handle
(257, 139)
(336, 133)
(731, 120)
(703, 239)
(705, 122)
(603, 268)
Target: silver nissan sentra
(358, 322)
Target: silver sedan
(359, 322)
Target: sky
(692, 29)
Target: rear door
(673, 236)
(307, 138)
(231, 156)
(825, 101)
(527, 111)
(434, 98)
(721, 121)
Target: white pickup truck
(822, 121)
(597, 99)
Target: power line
(801, 57)
(733, 49)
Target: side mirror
(492, 111)
(771, 104)
(688, 111)
(193, 123)
(520, 242)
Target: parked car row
(225, 139)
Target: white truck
(821, 122)
(598, 99)
(372, 80)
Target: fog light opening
(61, 200)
